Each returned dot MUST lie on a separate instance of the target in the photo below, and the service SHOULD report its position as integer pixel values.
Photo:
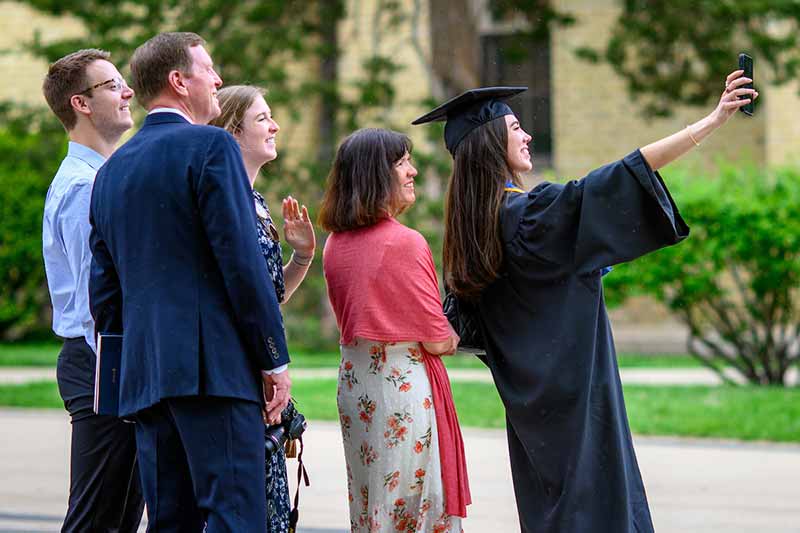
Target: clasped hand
(277, 391)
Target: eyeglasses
(114, 84)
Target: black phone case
(746, 64)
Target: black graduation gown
(550, 349)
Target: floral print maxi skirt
(391, 445)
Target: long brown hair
(473, 249)
(362, 183)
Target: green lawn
(35, 394)
(29, 354)
(45, 354)
(746, 413)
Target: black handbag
(466, 322)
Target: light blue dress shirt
(65, 242)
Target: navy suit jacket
(177, 269)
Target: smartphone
(746, 64)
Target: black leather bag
(466, 322)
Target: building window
(509, 59)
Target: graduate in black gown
(532, 261)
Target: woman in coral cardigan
(403, 448)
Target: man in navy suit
(177, 268)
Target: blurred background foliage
(733, 282)
(31, 149)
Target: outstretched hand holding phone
(738, 93)
(735, 96)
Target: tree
(255, 42)
(679, 51)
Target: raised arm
(668, 149)
(299, 233)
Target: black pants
(202, 463)
(105, 492)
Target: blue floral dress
(278, 505)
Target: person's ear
(177, 81)
(80, 104)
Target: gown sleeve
(615, 214)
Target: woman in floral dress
(246, 115)
(394, 399)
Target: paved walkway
(630, 376)
(693, 486)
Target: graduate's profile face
(518, 155)
(256, 134)
(404, 172)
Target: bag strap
(513, 189)
(302, 474)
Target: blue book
(107, 375)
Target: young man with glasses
(91, 99)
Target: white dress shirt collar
(171, 110)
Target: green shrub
(734, 282)
(30, 152)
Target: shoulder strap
(514, 189)
(301, 475)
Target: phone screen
(746, 64)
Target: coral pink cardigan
(382, 286)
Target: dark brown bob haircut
(66, 78)
(473, 248)
(362, 183)
(156, 58)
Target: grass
(632, 360)
(744, 413)
(29, 354)
(44, 354)
(34, 394)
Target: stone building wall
(782, 114)
(364, 34)
(595, 121)
(22, 73)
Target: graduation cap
(470, 110)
